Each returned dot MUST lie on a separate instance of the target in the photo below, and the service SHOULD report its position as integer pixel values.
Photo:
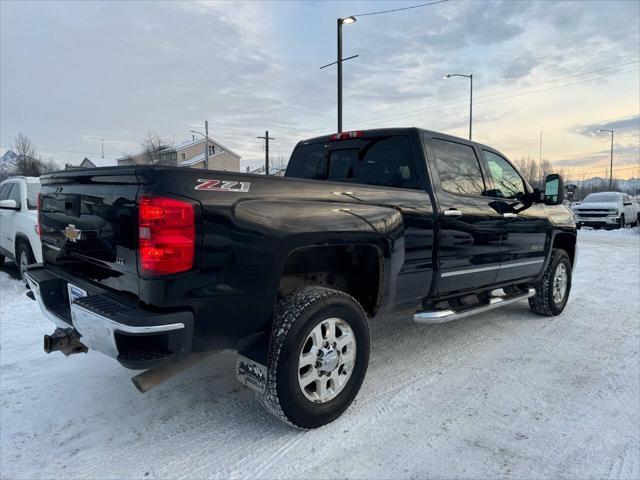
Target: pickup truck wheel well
(566, 242)
(20, 239)
(353, 269)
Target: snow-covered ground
(503, 394)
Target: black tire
(543, 302)
(622, 223)
(1, 259)
(295, 317)
(24, 257)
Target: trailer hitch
(65, 340)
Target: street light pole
(338, 62)
(611, 160)
(339, 75)
(470, 77)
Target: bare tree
(153, 148)
(26, 163)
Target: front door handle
(509, 215)
(452, 212)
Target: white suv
(19, 238)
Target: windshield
(602, 197)
(32, 195)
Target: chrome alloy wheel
(326, 360)
(560, 281)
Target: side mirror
(553, 189)
(8, 204)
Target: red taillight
(37, 225)
(347, 135)
(167, 235)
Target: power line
(399, 9)
(458, 103)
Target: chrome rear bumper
(104, 324)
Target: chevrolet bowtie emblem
(72, 234)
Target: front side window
(506, 182)
(458, 168)
(4, 191)
(14, 194)
(383, 161)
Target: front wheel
(318, 356)
(622, 223)
(552, 290)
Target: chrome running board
(448, 315)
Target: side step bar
(448, 315)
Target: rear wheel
(318, 357)
(25, 258)
(552, 291)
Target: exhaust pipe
(153, 377)
(65, 341)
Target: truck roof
(376, 132)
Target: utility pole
(102, 146)
(540, 159)
(611, 160)
(266, 139)
(206, 144)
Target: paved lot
(504, 394)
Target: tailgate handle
(452, 212)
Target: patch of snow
(502, 394)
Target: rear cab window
(382, 161)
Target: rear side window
(384, 161)
(32, 195)
(458, 168)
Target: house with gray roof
(188, 153)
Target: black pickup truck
(157, 266)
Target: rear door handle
(452, 212)
(509, 215)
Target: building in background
(94, 163)
(188, 154)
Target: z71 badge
(222, 186)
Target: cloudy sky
(72, 73)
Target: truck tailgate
(88, 222)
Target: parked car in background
(607, 209)
(19, 238)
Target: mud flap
(251, 373)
